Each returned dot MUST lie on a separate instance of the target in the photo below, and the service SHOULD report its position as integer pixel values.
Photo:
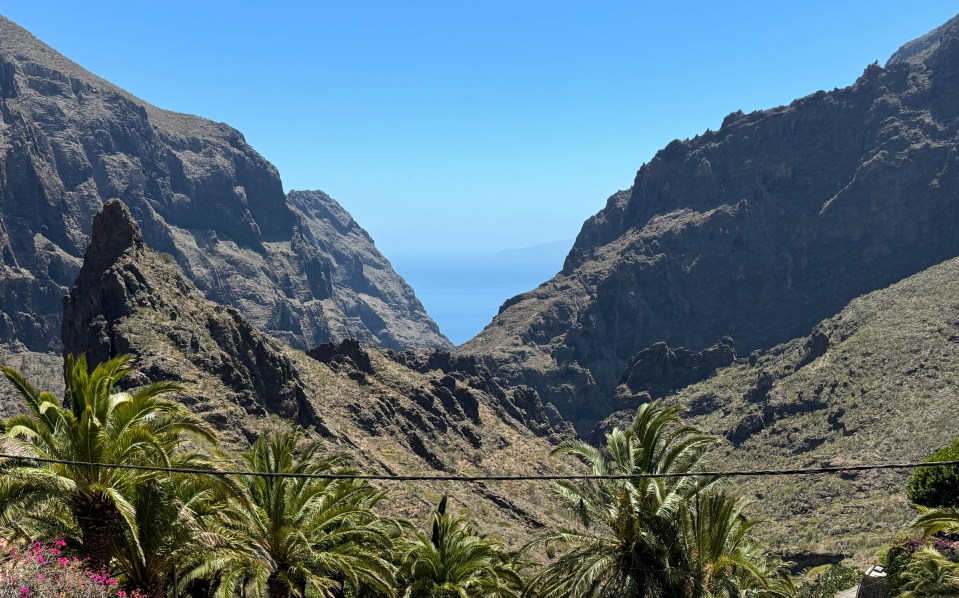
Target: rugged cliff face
(756, 231)
(394, 413)
(126, 295)
(872, 384)
(366, 299)
(298, 267)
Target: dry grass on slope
(884, 389)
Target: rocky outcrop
(362, 401)
(346, 355)
(298, 266)
(658, 370)
(519, 402)
(755, 231)
(121, 283)
(919, 49)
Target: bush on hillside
(827, 582)
(899, 558)
(937, 486)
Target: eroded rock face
(362, 401)
(756, 231)
(347, 355)
(460, 373)
(298, 267)
(122, 287)
(341, 267)
(919, 49)
(661, 369)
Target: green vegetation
(320, 535)
(937, 486)
(928, 565)
(96, 425)
(828, 581)
(454, 560)
(678, 536)
(930, 574)
(286, 535)
(924, 566)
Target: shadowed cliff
(407, 413)
(755, 231)
(298, 267)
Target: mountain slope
(410, 413)
(756, 231)
(919, 49)
(69, 141)
(874, 384)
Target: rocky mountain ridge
(872, 384)
(434, 415)
(755, 231)
(297, 266)
(917, 50)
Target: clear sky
(472, 126)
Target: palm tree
(930, 574)
(27, 518)
(630, 540)
(727, 563)
(937, 520)
(172, 515)
(288, 534)
(456, 562)
(95, 426)
(643, 536)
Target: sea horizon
(462, 292)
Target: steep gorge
(755, 232)
(392, 413)
(297, 266)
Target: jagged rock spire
(115, 232)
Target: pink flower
(63, 561)
(59, 543)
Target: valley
(788, 282)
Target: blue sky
(472, 127)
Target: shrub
(896, 561)
(45, 571)
(834, 579)
(937, 486)
(900, 556)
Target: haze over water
(462, 292)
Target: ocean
(462, 293)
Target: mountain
(873, 384)
(919, 49)
(394, 413)
(756, 232)
(297, 266)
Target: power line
(490, 478)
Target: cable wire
(490, 478)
